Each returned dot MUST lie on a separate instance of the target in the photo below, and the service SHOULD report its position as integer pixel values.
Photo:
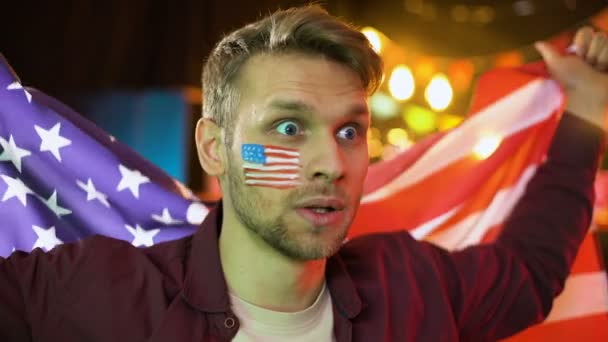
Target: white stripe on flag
(271, 175)
(499, 209)
(270, 167)
(584, 295)
(519, 110)
(426, 228)
(472, 229)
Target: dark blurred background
(67, 45)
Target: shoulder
(99, 256)
(379, 243)
(65, 264)
(114, 256)
(397, 250)
(398, 268)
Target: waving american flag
(62, 179)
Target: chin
(316, 246)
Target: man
(284, 129)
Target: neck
(260, 275)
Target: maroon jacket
(384, 287)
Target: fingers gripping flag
(62, 179)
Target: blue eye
(348, 133)
(289, 128)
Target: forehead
(322, 84)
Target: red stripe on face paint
(281, 148)
(274, 172)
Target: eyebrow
(302, 107)
(291, 105)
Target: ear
(208, 143)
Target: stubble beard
(253, 212)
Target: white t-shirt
(314, 323)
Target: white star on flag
(52, 204)
(196, 213)
(165, 218)
(51, 140)
(131, 179)
(92, 193)
(17, 85)
(142, 237)
(16, 188)
(47, 238)
(12, 152)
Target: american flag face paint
(271, 166)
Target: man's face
(318, 108)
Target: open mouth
(322, 210)
(322, 216)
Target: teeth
(321, 210)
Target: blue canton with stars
(62, 179)
(253, 153)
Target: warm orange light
(425, 68)
(460, 13)
(486, 146)
(509, 59)
(375, 148)
(374, 38)
(401, 84)
(484, 14)
(399, 137)
(439, 93)
(448, 121)
(461, 74)
(420, 120)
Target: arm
(504, 287)
(13, 323)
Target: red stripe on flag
(590, 328)
(588, 258)
(497, 84)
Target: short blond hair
(308, 29)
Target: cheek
(358, 163)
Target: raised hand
(581, 74)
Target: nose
(326, 161)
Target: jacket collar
(344, 294)
(204, 285)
